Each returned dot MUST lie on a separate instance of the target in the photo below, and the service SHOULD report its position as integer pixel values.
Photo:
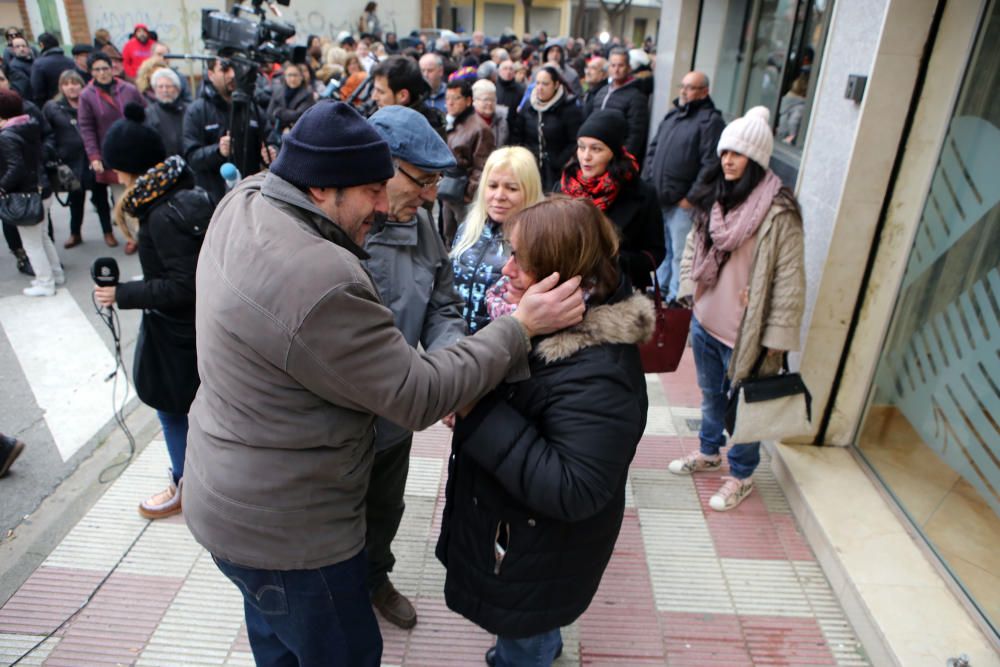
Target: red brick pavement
(47, 598)
(681, 386)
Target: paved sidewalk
(686, 585)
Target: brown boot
(163, 504)
(110, 239)
(394, 606)
(73, 241)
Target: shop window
(765, 53)
(932, 429)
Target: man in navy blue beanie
(297, 356)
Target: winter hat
(82, 48)
(608, 125)
(750, 136)
(412, 139)
(11, 104)
(332, 146)
(130, 146)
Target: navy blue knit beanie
(332, 146)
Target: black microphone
(104, 271)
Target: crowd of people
(461, 231)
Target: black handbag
(63, 179)
(165, 370)
(21, 208)
(452, 188)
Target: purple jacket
(96, 115)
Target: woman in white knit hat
(743, 271)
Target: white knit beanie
(750, 136)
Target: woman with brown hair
(536, 484)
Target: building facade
(887, 124)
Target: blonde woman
(509, 183)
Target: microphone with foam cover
(105, 272)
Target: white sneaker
(695, 462)
(40, 289)
(733, 492)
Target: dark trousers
(99, 198)
(309, 617)
(384, 507)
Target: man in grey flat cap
(411, 269)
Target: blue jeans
(175, 432)
(711, 359)
(535, 651)
(676, 225)
(309, 617)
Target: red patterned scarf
(602, 190)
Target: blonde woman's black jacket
(540, 466)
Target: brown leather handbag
(663, 352)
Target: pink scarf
(731, 230)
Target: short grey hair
(501, 53)
(484, 86)
(165, 73)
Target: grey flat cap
(411, 138)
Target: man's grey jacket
(413, 273)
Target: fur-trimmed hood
(630, 321)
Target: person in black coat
(547, 125)
(166, 115)
(509, 91)
(19, 64)
(207, 139)
(623, 92)
(536, 483)
(604, 172)
(48, 66)
(61, 116)
(173, 217)
(291, 99)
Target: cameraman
(207, 137)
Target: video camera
(234, 36)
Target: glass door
(932, 428)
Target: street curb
(34, 538)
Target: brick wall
(78, 28)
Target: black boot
(23, 264)
(10, 449)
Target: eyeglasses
(100, 69)
(423, 185)
(688, 86)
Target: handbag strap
(657, 297)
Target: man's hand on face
(545, 308)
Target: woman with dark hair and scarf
(173, 216)
(548, 123)
(604, 172)
(744, 268)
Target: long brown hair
(570, 236)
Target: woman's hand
(449, 420)
(772, 353)
(105, 295)
(97, 166)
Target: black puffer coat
(543, 464)
(45, 73)
(637, 215)
(509, 94)
(171, 230)
(550, 136)
(20, 155)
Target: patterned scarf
(730, 230)
(152, 185)
(602, 190)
